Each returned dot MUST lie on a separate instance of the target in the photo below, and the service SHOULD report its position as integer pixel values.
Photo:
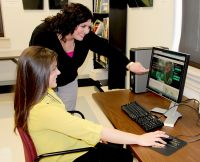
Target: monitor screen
(167, 73)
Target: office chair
(78, 112)
(30, 151)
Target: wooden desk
(110, 103)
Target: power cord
(191, 139)
(183, 103)
(196, 137)
(196, 109)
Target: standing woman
(42, 114)
(69, 34)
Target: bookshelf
(114, 14)
(101, 28)
(101, 6)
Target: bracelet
(129, 65)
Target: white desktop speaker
(143, 55)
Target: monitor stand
(172, 114)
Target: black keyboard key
(142, 117)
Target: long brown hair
(32, 81)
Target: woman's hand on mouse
(153, 139)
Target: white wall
(146, 27)
(155, 26)
(150, 26)
(19, 24)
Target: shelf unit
(116, 35)
(100, 13)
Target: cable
(197, 110)
(176, 104)
(195, 100)
(197, 137)
(183, 103)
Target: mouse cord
(191, 139)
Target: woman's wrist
(129, 65)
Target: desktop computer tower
(143, 55)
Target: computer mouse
(168, 139)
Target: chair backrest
(28, 145)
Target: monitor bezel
(183, 79)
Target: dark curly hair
(68, 18)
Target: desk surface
(110, 103)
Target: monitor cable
(196, 137)
(190, 139)
(183, 103)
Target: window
(190, 34)
(1, 24)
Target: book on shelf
(98, 27)
(101, 6)
(105, 33)
(101, 28)
(105, 6)
(104, 59)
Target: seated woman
(42, 114)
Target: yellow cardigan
(52, 128)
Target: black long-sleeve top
(67, 65)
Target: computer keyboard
(142, 117)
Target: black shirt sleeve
(103, 47)
(117, 59)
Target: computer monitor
(167, 74)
